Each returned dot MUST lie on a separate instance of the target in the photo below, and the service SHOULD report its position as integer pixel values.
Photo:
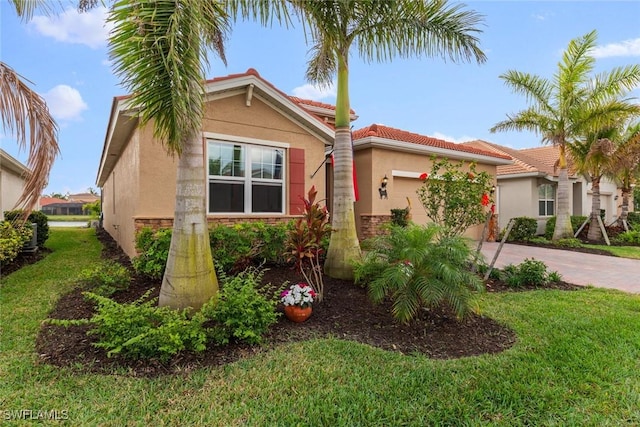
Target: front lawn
(575, 363)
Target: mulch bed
(346, 313)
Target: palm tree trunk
(563, 227)
(624, 212)
(344, 247)
(189, 279)
(595, 234)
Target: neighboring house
(72, 205)
(13, 175)
(528, 187)
(263, 151)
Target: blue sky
(66, 59)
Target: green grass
(70, 218)
(576, 362)
(621, 251)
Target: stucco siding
(11, 186)
(517, 197)
(121, 193)
(384, 162)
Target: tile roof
(541, 159)
(44, 201)
(386, 132)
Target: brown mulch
(346, 313)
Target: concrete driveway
(576, 267)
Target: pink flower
(424, 176)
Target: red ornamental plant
(424, 176)
(304, 243)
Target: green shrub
(241, 310)
(634, 218)
(153, 247)
(569, 242)
(530, 272)
(417, 267)
(628, 237)
(234, 248)
(12, 239)
(524, 228)
(105, 279)
(576, 222)
(400, 217)
(35, 216)
(144, 330)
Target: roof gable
(123, 120)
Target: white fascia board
(410, 147)
(11, 163)
(242, 139)
(520, 175)
(120, 111)
(325, 111)
(406, 174)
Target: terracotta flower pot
(296, 313)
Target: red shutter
(296, 181)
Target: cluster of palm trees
(159, 49)
(590, 118)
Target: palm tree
(626, 165)
(160, 51)
(593, 158)
(380, 30)
(571, 105)
(25, 115)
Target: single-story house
(528, 187)
(285, 141)
(72, 205)
(13, 175)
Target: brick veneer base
(371, 225)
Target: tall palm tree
(380, 30)
(159, 49)
(25, 115)
(571, 105)
(626, 165)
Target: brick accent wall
(371, 225)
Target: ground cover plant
(574, 362)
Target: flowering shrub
(454, 198)
(301, 295)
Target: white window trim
(247, 179)
(554, 199)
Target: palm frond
(26, 8)
(322, 65)
(26, 116)
(159, 50)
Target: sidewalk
(575, 267)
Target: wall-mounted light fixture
(493, 189)
(383, 187)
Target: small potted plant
(297, 302)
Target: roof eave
(410, 147)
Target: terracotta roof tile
(541, 159)
(386, 132)
(44, 201)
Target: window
(546, 200)
(233, 189)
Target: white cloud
(88, 28)
(629, 47)
(315, 93)
(449, 138)
(65, 103)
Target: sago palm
(417, 267)
(380, 31)
(570, 106)
(25, 115)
